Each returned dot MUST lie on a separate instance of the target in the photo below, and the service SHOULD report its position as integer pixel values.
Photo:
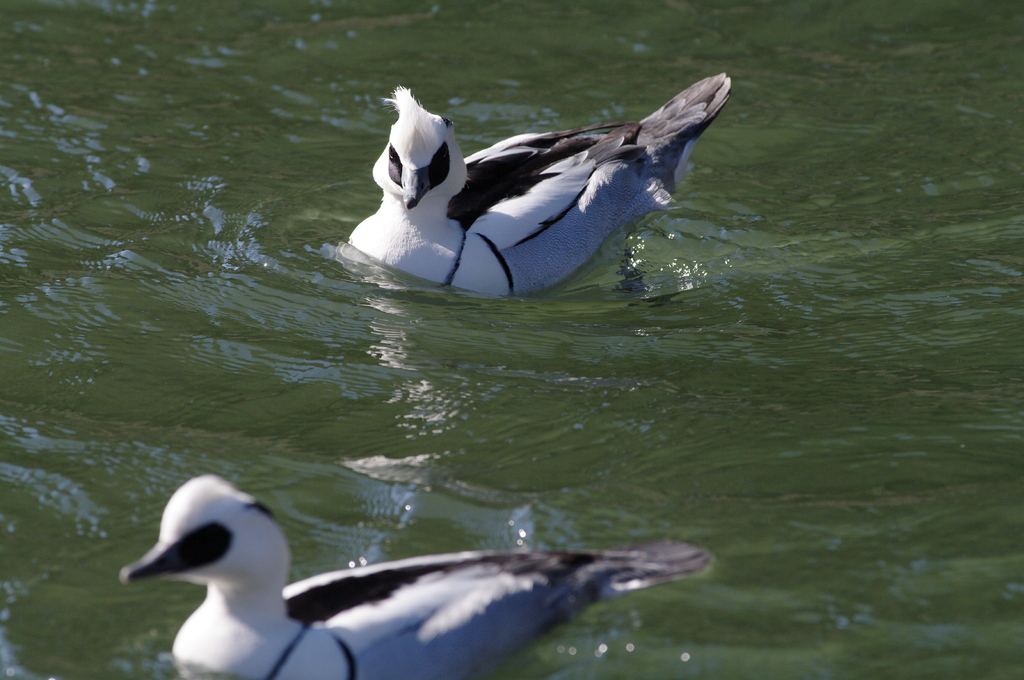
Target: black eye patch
(206, 544)
(439, 165)
(394, 166)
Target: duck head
(422, 160)
(213, 534)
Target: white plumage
(525, 213)
(440, 617)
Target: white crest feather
(402, 99)
(417, 133)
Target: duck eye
(439, 165)
(447, 121)
(206, 544)
(394, 166)
(259, 507)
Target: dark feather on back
(492, 180)
(324, 601)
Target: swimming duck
(440, 617)
(525, 213)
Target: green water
(813, 368)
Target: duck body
(438, 617)
(525, 213)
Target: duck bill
(415, 185)
(161, 559)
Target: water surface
(811, 368)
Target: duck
(436, 617)
(526, 213)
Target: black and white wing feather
(464, 612)
(536, 165)
(604, 574)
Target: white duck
(440, 617)
(525, 213)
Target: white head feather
(416, 136)
(418, 133)
(258, 552)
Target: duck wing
(512, 167)
(448, 617)
(446, 580)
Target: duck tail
(580, 579)
(671, 132)
(648, 565)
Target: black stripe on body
(501, 260)
(554, 220)
(346, 651)
(286, 653)
(458, 260)
(349, 656)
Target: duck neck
(247, 602)
(421, 241)
(430, 217)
